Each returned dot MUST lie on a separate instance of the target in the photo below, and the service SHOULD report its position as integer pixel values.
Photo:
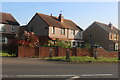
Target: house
(8, 28)
(105, 35)
(48, 27)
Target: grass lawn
(3, 54)
(84, 59)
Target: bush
(28, 39)
(58, 43)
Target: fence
(55, 52)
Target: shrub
(28, 39)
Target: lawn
(3, 54)
(84, 59)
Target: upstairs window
(115, 37)
(53, 30)
(90, 35)
(13, 29)
(72, 32)
(2, 28)
(80, 33)
(63, 31)
(110, 35)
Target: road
(33, 67)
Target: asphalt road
(31, 67)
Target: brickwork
(83, 52)
(45, 52)
(27, 52)
(104, 53)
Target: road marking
(88, 75)
(73, 78)
(37, 76)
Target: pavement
(22, 68)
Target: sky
(82, 13)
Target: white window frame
(115, 37)
(3, 40)
(2, 28)
(72, 32)
(53, 30)
(116, 46)
(63, 31)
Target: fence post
(67, 54)
(95, 53)
(119, 54)
(50, 53)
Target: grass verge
(3, 54)
(84, 59)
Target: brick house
(105, 35)
(48, 27)
(9, 27)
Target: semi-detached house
(9, 27)
(49, 27)
(105, 35)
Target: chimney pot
(60, 18)
(50, 14)
(110, 25)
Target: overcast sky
(82, 13)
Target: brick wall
(104, 53)
(27, 52)
(45, 52)
(83, 52)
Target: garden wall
(104, 53)
(27, 52)
(45, 52)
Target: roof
(53, 21)
(7, 18)
(107, 28)
(23, 28)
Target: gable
(7, 18)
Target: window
(53, 30)
(80, 34)
(3, 40)
(12, 29)
(72, 32)
(115, 37)
(90, 35)
(63, 31)
(2, 28)
(74, 44)
(110, 35)
(116, 46)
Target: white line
(87, 75)
(36, 76)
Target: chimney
(60, 18)
(110, 25)
(51, 15)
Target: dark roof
(53, 21)
(107, 28)
(23, 28)
(7, 18)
